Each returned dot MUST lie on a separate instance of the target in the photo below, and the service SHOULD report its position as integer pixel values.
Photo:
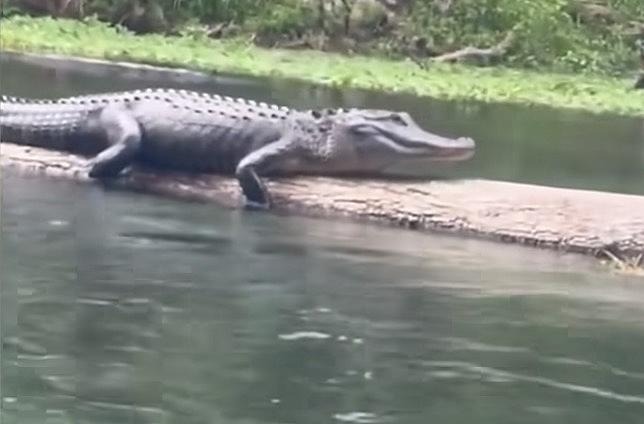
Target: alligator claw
(256, 206)
(95, 172)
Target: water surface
(125, 308)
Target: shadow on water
(522, 144)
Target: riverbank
(449, 82)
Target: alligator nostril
(466, 141)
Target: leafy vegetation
(443, 81)
(596, 36)
(564, 35)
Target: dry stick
(571, 220)
(470, 52)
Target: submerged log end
(569, 220)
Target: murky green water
(123, 308)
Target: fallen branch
(479, 54)
(570, 220)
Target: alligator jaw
(433, 147)
(450, 150)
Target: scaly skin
(198, 132)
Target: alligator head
(367, 141)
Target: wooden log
(570, 220)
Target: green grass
(453, 82)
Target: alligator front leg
(261, 160)
(124, 136)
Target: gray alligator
(204, 133)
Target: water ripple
(457, 343)
(493, 374)
(298, 335)
(581, 363)
(357, 417)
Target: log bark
(570, 220)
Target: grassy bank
(93, 39)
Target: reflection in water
(123, 308)
(523, 144)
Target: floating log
(570, 220)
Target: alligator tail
(43, 123)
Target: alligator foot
(257, 197)
(124, 134)
(96, 174)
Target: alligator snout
(466, 143)
(458, 149)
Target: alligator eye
(361, 128)
(398, 119)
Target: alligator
(207, 133)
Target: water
(532, 145)
(126, 308)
